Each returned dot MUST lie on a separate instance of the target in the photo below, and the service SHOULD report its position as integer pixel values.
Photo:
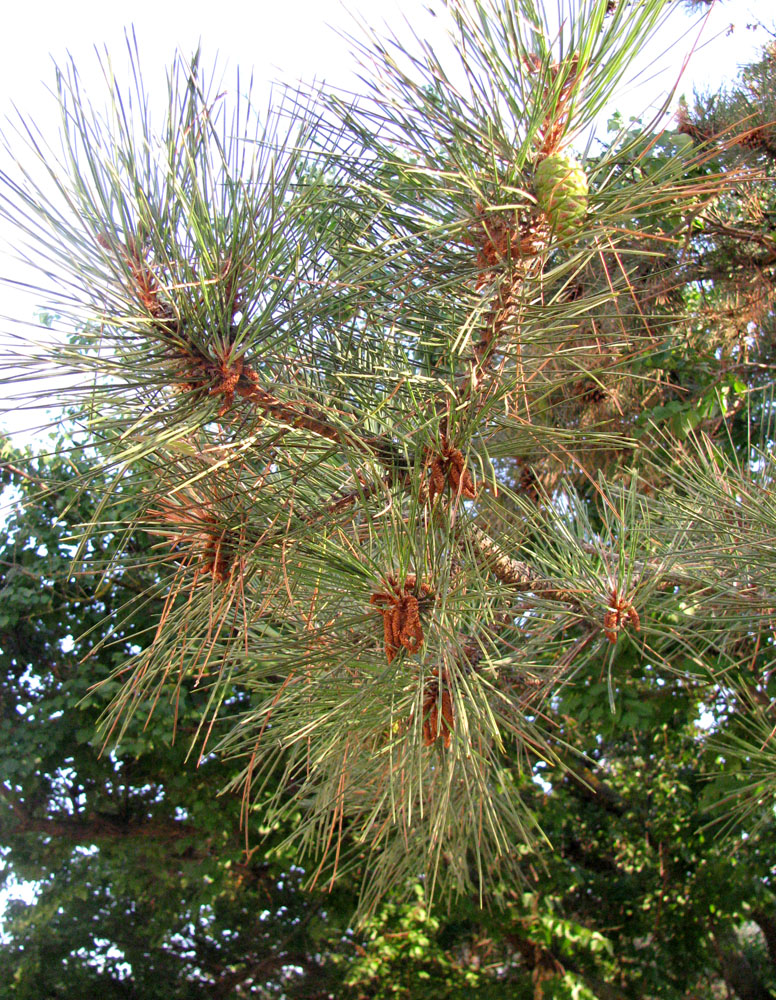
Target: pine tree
(427, 416)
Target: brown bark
(543, 964)
(737, 971)
(583, 782)
(767, 925)
(93, 826)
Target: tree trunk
(738, 974)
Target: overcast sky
(280, 38)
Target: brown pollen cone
(449, 468)
(438, 715)
(401, 615)
(619, 613)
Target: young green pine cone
(561, 191)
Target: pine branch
(513, 572)
(309, 341)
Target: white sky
(280, 40)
